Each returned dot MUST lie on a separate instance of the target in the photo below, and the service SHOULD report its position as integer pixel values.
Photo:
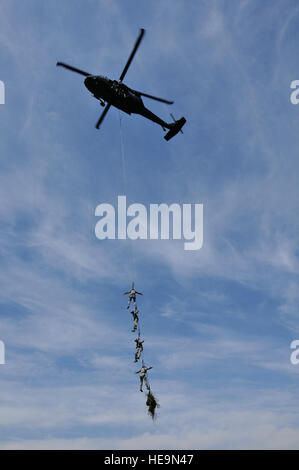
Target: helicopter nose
(89, 82)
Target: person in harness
(132, 296)
(142, 376)
(139, 348)
(135, 319)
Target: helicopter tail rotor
(175, 128)
(173, 118)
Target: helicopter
(116, 93)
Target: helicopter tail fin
(175, 128)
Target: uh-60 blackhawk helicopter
(116, 93)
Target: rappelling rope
(124, 173)
(122, 149)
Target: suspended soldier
(152, 404)
(132, 296)
(135, 319)
(143, 377)
(139, 348)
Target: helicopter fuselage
(115, 93)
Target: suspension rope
(124, 174)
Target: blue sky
(218, 322)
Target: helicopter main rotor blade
(73, 69)
(140, 93)
(142, 31)
(103, 115)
